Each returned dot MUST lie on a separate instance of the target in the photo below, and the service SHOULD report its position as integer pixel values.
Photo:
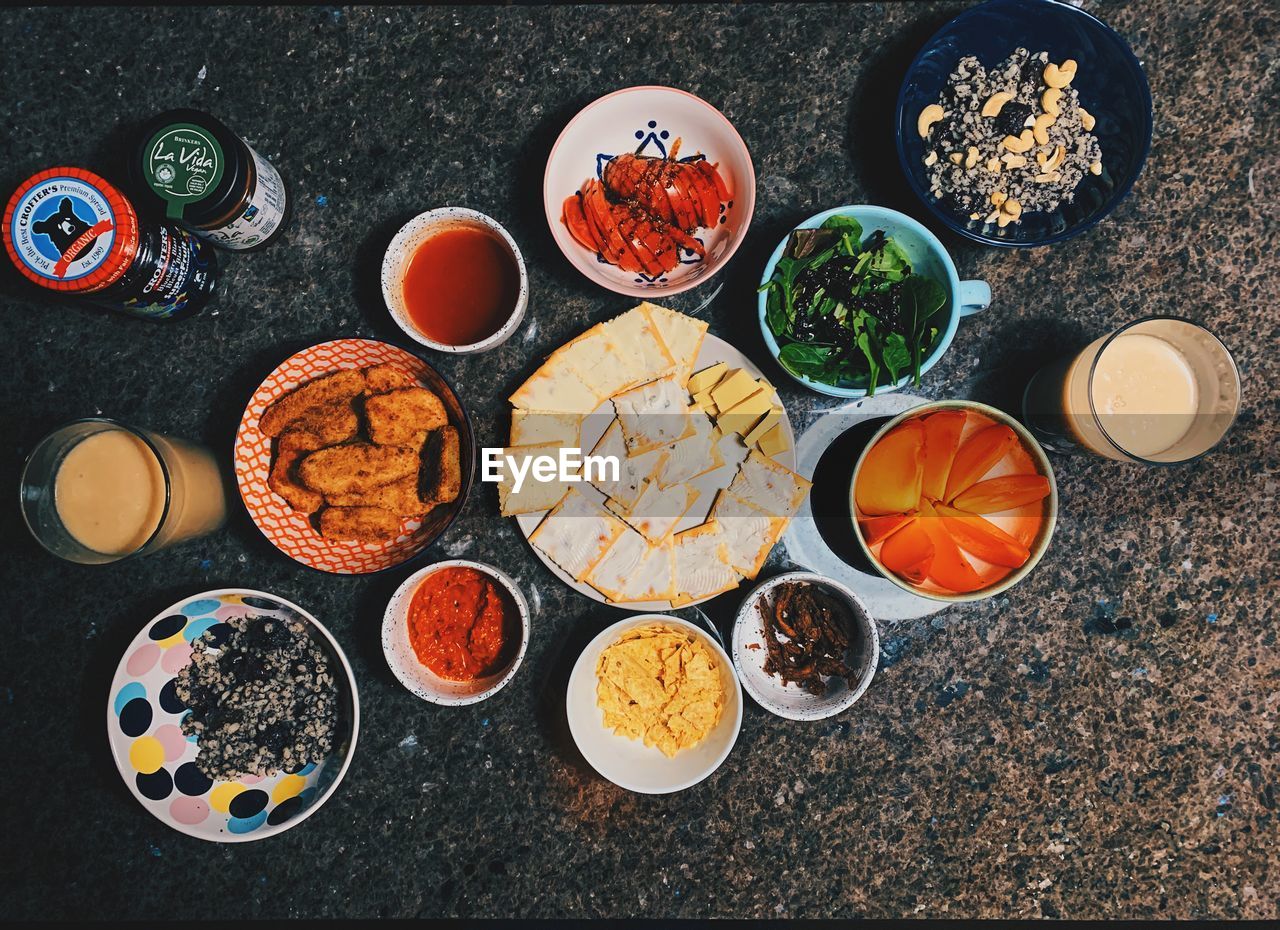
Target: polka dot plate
(157, 761)
(294, 533)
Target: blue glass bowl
(1112, 87)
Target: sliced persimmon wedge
(948, 568)
(977, 455)
(909, 552)
(875, 529)
(941, 439)
(889, 479)
(983, 538)
(1004, 493)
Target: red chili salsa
(461, 622)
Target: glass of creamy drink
(97, 491)
(1161, 390)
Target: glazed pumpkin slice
(595, 209)
(977, 455)
(629, 223)
(577, 224)
(941, 440)
(1004, 493)
(875, 529)
(983, 538)
(683, 201)
(949, 568)
(705, 189)
(890, 476)
(712, 173)
(909, 553)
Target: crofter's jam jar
(197, 172)
(74, 233)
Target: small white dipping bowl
(400, 252)
(417, 677)
(629, 763)
(790, 700)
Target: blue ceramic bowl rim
(859, 212)
(1118, 195)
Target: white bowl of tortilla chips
(654, 704)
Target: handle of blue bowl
(975, 296)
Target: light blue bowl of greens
(861, 299)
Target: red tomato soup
(461, 286)
(462, 624)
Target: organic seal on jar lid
(201, 174)
(69, 230)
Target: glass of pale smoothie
(1161, 390)
(97, 490)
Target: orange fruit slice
(1005, 493)
(878, 528)
(909, 552)
(889, 479)
(941, 439)
(948, 567)
(976, 457)
(983, 538)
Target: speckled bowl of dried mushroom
(805, 646)
(1023, 122)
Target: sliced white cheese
(637, 333)
(539, 427)
(657, 511)
(775, 489)
(556, 389)
(692, 456)
(633, 471)
(534, 495)
(605, 364)
(702, 568)
(576, 534)
(683, 336)
(654, 415)
(748, 531)
(635, 570)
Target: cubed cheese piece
(683, 336)
(736, 387)
(708, 378)
(576, 534)
(744, 416)
(770, 420)
(654, 415)
(774, 442)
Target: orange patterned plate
(293, 533)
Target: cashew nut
(992, 216)
(1019, 144)
(975, 216)
(1049, 101)
(1047, 177)
(928, 116)
(998, 197)
(1096, 168)
(1086, 119)
(1041, 129)
(1060, 75)
(995, 103)
(1003, 220)
(993, 165)
(931, 158)
(1012, 207)
(972, 158)
(1014, 161)
(956, 158)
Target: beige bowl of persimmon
(953, 501)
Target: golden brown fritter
(386, 377)
(396, 417)
(339, 387)
(362, 524)
(399, 497)
(321, 427)
(281, 480)
(442, 465)
(356, 468)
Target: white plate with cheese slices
(704, 493)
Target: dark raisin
(1011, 118)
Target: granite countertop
(1101, 741)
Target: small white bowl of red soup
(954, 501)
(454, 280)
(455, 632)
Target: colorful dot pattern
(152, 752)
(293, 533)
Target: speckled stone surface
(1100, 742)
